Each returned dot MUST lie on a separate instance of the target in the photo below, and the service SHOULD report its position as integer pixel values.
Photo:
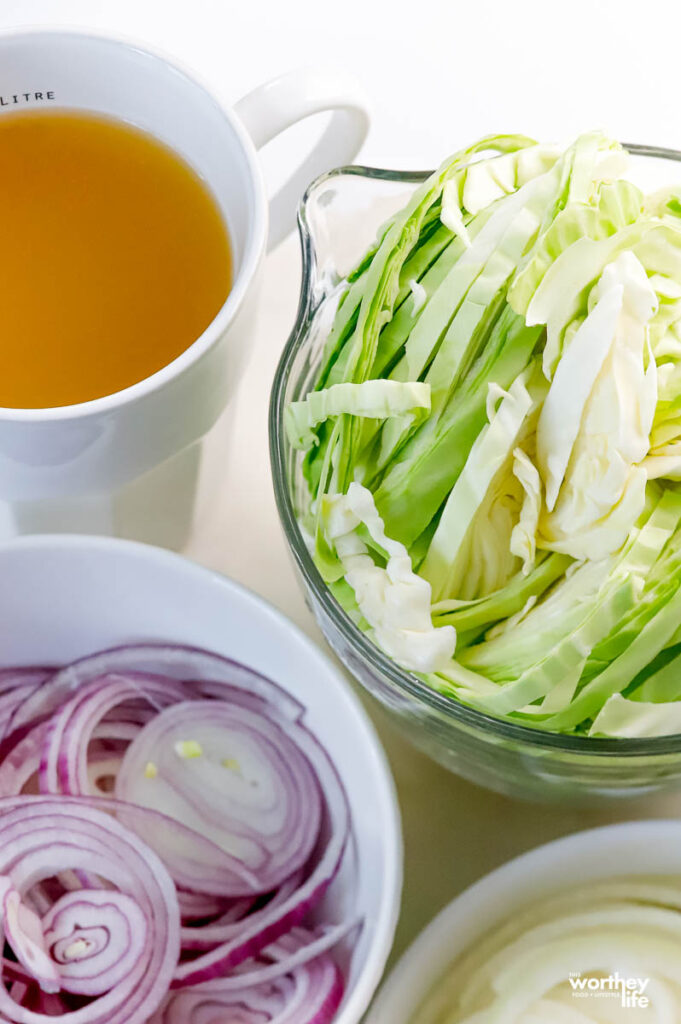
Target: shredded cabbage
(524, 534)
(492, 449)
(394, 601)
(604, 953)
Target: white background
(439, 74)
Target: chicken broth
(114, 257)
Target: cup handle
(275, 106)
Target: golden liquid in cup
(114, 257)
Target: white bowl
(63, 597)
(635, 848)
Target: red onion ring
(23, 931)
(17, 686)
(14, 679)
(96, 937)
(230, 924)
(292, 911)
(293, 950)
(201, 906)
(65, 754)
(309, 993)
(206, 672)
(250, 790)
(101, 930)
(40, 837)
(22, 762)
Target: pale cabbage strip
(503, 381)
(597, 419)
(567, 659)
(485, 562)
(576, 375)
(545, 654)
(484, 269)
(664, 463)
(505, 601)
(652, 638)
(375, 399)
(452, 215)
(419, 295)
(535, 968)
(524, 534)
(489, 180)
(622, 717)
(664, 685)
(448, 328)
(394, 600)
(502, 231)
(618, 205)
(560, 298)
(506, 656)
(382, 283)
(491, 449)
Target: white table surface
(437, 79)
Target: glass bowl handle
(277, 105)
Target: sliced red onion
(230, 924)
(235, 777)
(96, 937)
(18, 991)
(24, 932)
(269, 927)
(249, 1006)
(201, 906)
(308, 994)
(40, 837)
(22, 762)
(210, 761)
(65, 754)
(207, 672)
(17, 686)
(22, 678)
(15, 675)
(319, 993)
(48, 1005)
(293, 950)
(194, 862)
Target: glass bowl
(338, 219)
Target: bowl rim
(403, 681)
(382, 924)
(421, 965)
